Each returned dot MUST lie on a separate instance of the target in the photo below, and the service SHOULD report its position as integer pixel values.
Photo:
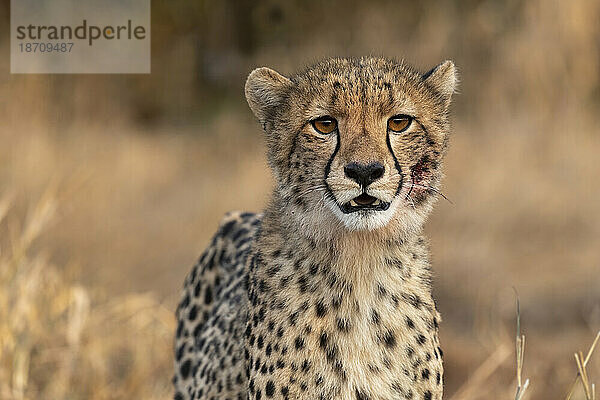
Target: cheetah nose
(364, 174)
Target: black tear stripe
(396, 163)
(328, 166)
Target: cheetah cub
(327, 294)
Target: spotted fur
(307, 301)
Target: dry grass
(58, 340)
(582, 373)
(477, 386)
(520, 355)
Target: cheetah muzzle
(327, 293)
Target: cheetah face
(361, 140)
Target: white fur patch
(366, 219)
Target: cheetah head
(356, 144)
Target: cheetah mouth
(364, 202)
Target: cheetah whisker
(411, 201)
(433, 190)
(309, 190)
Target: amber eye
(399, 123)
(324, 125)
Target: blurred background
(111, 186)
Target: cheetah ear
(265, 91)
(443, 79)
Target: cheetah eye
(399, 123)
(324, 125)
